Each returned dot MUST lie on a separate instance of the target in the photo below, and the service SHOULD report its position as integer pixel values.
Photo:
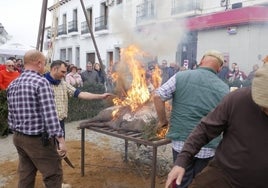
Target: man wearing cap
(194, 94)
(241, 157)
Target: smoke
(160, 36)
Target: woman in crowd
(74, 78)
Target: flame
(114, 113)
(156, 77)
(161, 133)
(132, 84)
(137, 93)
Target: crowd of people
(234, 77)
(216, 135)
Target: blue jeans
(192, 170)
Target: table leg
(154, 167)
(126, 150)
(82, 151)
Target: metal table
(127, 136)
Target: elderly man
(194, 94)
(8, 74)
(241, 157)
(90, 76)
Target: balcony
(84, 28)
(72, 26)
(62, 29)
(101, 23)
(145, 11)
(179, 7)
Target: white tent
(14, 49)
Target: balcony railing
(72, 26)
(101, 23)
(179, 6)
(84, 28)
(62, 29)
(146, 11)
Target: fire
(114, 113)
(156, 77)
(161, 133)
(132, 83)
(137, 93)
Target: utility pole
(42, 24)
(40, 38)
(92, 35)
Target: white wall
(246, 48)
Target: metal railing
(145, 11)
(62, 29)
(72, 26)
(84, 28)
(101, 23)
(179, 6)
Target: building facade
(176, 30)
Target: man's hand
(61, 147)
(176, 173)
(62, 151)
(106, 95)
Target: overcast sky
(20, 19)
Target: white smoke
(160, 36)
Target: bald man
(194, 94)
(33, 119)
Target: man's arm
(160, 110)
(90, 96)
(162, 94)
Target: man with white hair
(8, 74)
(194, 94)
(241, 157)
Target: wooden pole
(42, 23)
(92, 35)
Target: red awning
(228, 18)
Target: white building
(177, 30)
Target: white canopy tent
(14, 49)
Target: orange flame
(138, 93)
(114, 113)
(156, 77)
(161, 133)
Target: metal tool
(66, 159)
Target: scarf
(51, 80)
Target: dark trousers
(192, 170)
(211, 177)
(62, 126)
(34, 156)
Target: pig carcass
(122, 119)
